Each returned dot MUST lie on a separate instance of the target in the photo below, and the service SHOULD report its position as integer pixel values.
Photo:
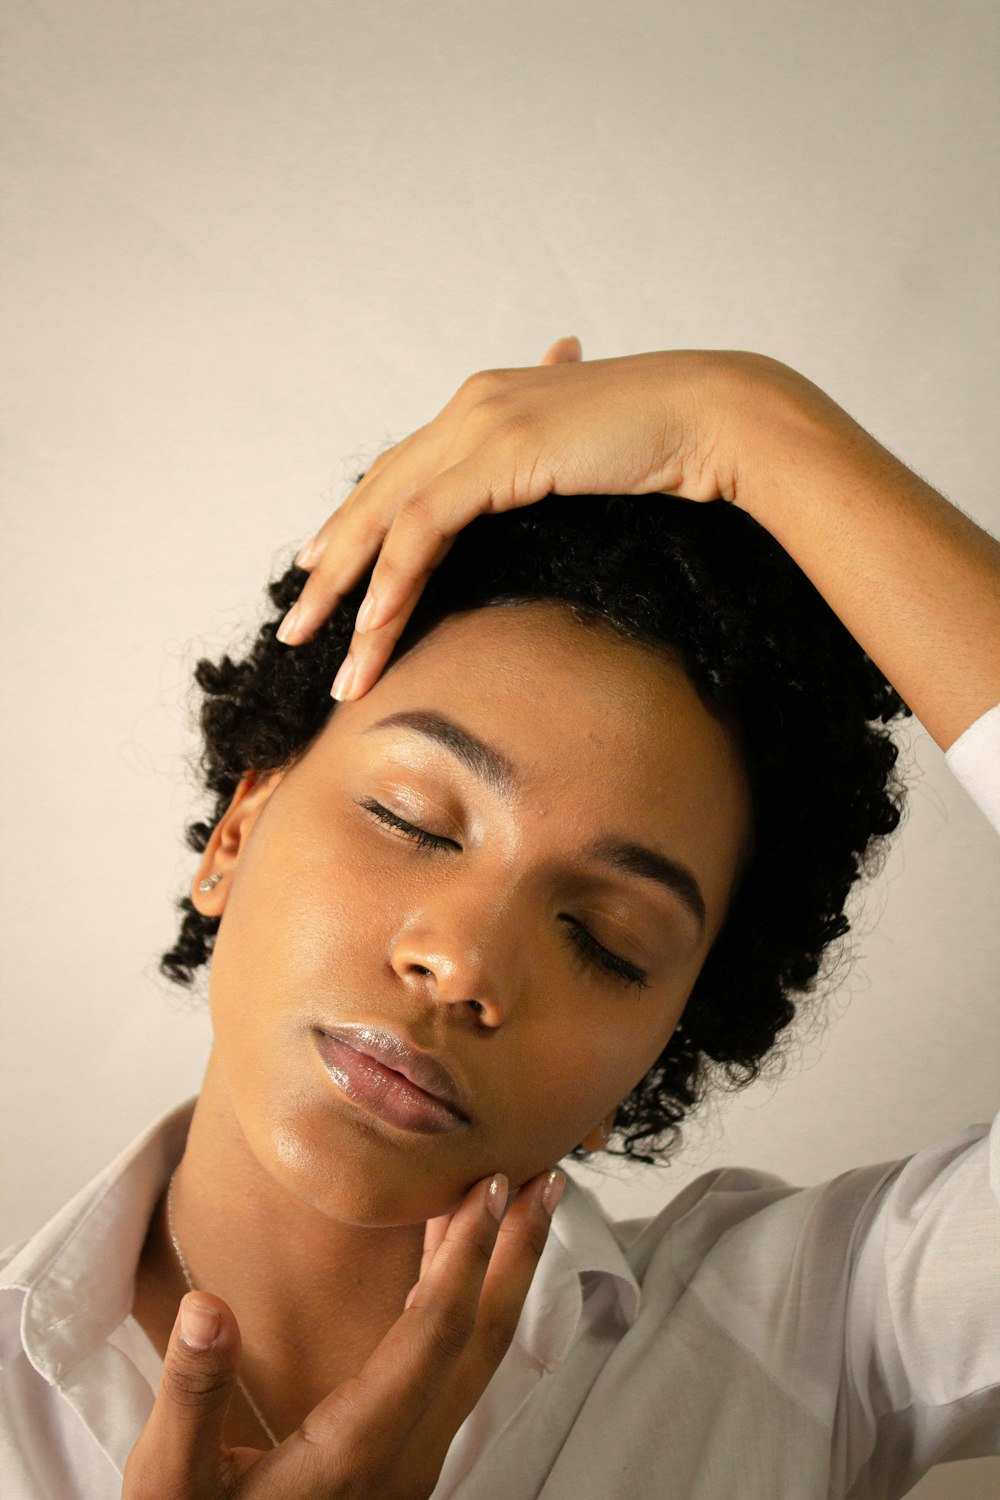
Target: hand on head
(639, 425)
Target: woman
(572, 845)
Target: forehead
(571, 698)
(603, 732)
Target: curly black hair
(766, 654)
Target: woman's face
(468, 949)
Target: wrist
(784, 433)
(912, 578)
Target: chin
(354, 1176)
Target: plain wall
(247, 245)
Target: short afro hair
(767, 655)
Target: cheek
(303, 916)
(574, 1070)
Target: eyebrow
(496, 771)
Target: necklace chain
(191, 1287)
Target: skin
(915, 582)
(306, 1213)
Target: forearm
(916, 582)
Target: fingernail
(496, 1196)
(553, 1190)
(366, 614)
(307, 554)
(289, 625)
(199, 1324)
(342, 681)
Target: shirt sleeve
(974, 760)
(921, 1381)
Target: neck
(312, 1297)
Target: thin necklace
(191, 1286)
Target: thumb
(564, 351)
(180, 1449)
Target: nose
(449, 967)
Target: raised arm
(915, 581)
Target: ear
(229, 836)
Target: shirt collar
(74, 1280)
(590, 1244)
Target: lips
(389, 1049)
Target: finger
(497, 476)
(370, 650)
(349, 540)
(349, 553)
(434, 1234)
(374, 1412)
(312, 551)
(423, 529)
(310, 554)
(179, 1451)
(521, 1239)
(520, 1242)
(563, 351)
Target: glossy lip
(394, 1052)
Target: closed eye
(417, 835)
(594, 952)
(583, 941)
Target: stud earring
(210, 883)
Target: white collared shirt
(753, 1339)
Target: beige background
(249, 244)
